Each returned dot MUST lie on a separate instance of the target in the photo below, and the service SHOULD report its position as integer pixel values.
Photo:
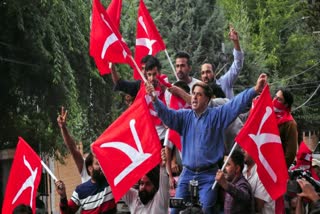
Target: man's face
(231, 170)
(207, 73)
(96, 173)
(183, 69)
(152, 76)
(146, 190)
(199, 101)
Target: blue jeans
(205, 179)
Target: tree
(279, 42)
(45, 64)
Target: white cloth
(258, 190)
(159, 203)
(84, 174)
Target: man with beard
(226, 81)
(93, 196)
(153, 193)
(238, 197)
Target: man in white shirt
(153, 193)
(263, 202)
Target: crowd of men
(207, 127)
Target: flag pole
(138, 69)
(225, 163)
(174, 71)
(49, 171)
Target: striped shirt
(91, 198)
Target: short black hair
(22, 209)
(212, 65)
(151, 63)
(288, 97)
(206, 88)
(238, 158)
(183, 85)
(145, 59)
(183, 54)
(217, 90)
(88, 162)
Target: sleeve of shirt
(231, 110)
(290, 141)
(171, 118)
(130, 197)
(227, 80)
(240, 192)
(128, 87)
(68, 207)
(164, 186)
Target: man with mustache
(226, 81)
(201, 129)
(93, 196)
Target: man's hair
(22, 209)
(183, 54)
(145, 59)
(217, 90)
(238, 158)
(88, 162)
(183, 85)
(212, 65)
(206, 88)
(288, 98)
(151, 63)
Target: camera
(294, 187)
(191, 204)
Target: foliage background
(44, 61)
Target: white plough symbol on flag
(136, 156)
(264, 138)
(28, 183)
(145, 41)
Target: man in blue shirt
(202, 130)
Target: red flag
(176, 103)
(106, 43)
(114, 12)
(24, 178)
(128, 149)
(148, 39)
(260, 138)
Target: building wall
(69, 174)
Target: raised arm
(228, 79)
(68, 140)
